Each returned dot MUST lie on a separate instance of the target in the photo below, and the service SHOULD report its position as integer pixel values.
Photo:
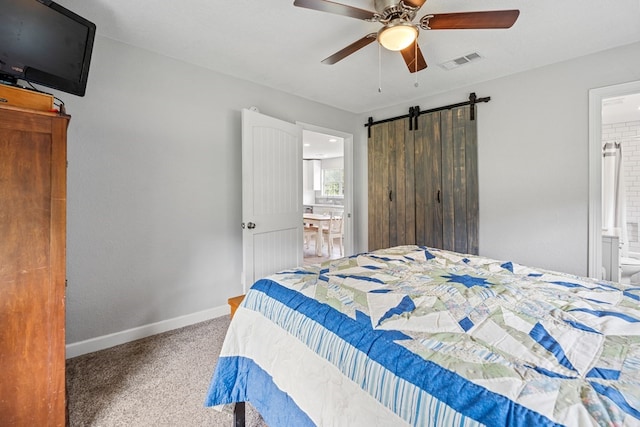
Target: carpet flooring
(156, 381)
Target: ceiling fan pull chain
(415, 61)
(379, 68)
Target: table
(319, 221)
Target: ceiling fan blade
(472, 20)
(337, 8)
(414, 3)
(413, 57)
(353, 47)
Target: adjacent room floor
(310, 256)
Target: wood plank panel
(448, 181)
(428, 182)
(378, 178)
(409, 186)
(459, 118)
(421, 177)
(473, 191)
(393, 146)
(371, 189)
(402, 212)
(384, 187)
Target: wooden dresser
(33, 159)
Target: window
(333, 182)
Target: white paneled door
(271, 195)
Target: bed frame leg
(238, 415)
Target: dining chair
(310, 232)
(334, 231)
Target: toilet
(628, 267)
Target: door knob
(251, 226)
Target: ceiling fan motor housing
(392, 9)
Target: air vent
(455, 63)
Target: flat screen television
(42, 42)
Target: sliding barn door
(428, 181)
(447, 181)
(271, 195)
(391, 185)
(463, 182)
(423, 186)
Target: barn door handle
(391, 195)
(438, 196)
(251, 226)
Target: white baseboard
(106, 341)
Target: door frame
(596, 96)
(348, 180)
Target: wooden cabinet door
(32, 268)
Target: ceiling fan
(399, 33)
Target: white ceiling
(318, 145)
(621, 109)
(275, 44)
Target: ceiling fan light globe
(397, 36)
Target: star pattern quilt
(419, 336)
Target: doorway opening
(327, 193)
(614, 124)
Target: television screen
(42, 42)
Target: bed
(418, 336)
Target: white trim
(596, 96)
(117, 338)
(348, 181)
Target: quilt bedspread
(437, 338)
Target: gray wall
(533, 158)
(154, 187)
(154, 199)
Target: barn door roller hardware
(414, 112)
